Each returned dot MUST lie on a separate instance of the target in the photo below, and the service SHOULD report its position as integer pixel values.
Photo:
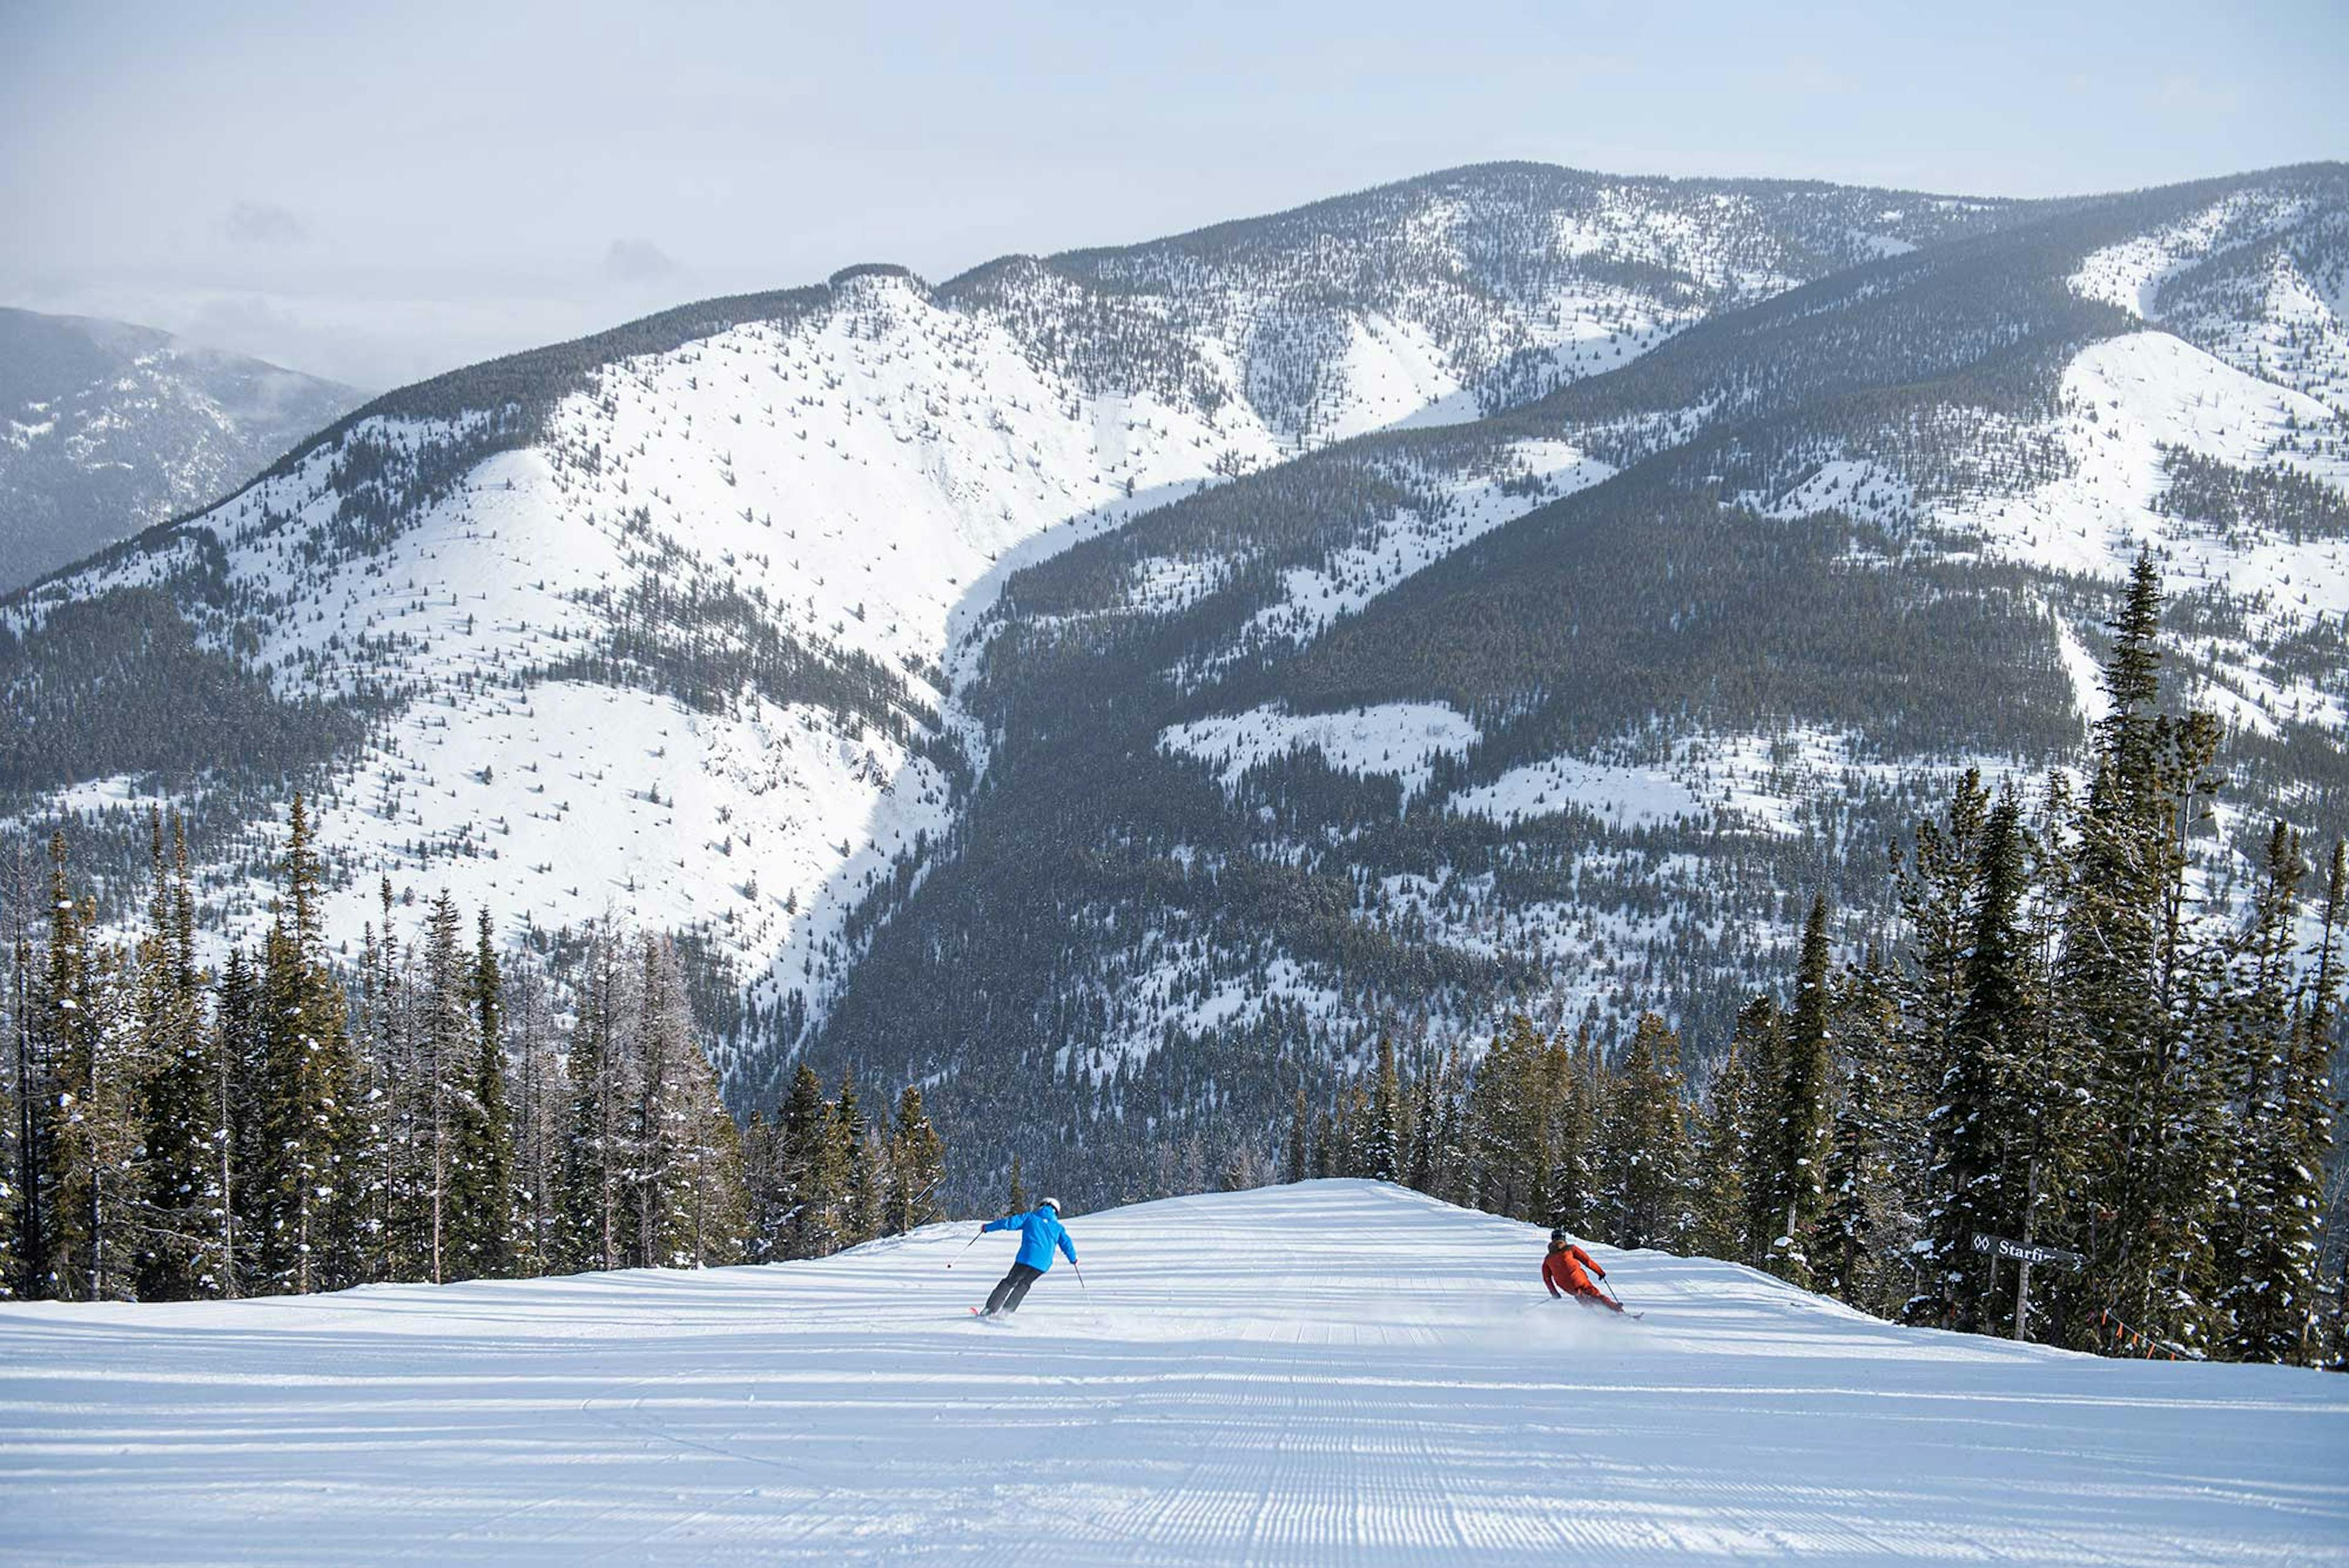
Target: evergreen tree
(2129, 992)
(307, 1218)
(1019, 1196)
(1426, 1139)
(672, 1098)
(11, 1261)
(392, 1237)
(1973, 1126)
(597, 1152)
(1718, 1159)
(1643, 1144)
(1759, 1043)
(539, 1118)
(94, 1132)
(238, 1044)
(178, 1244)
(1348, 1133)
(448, 1052)
(1937, 885)
(1511, 1119)
(1382, 1137)
(1866, 1232)
(692, 1160)
(2320, 1020)
(815, 1171)
(1299, 1153)
(11, 1203)
(2046, 1092)
(761, 1157)
(29, 1163)
(481, 1176)
(2272, 1199)
(1799, 1126)
(860, 1209)
(916, 1167)
(1574, 1086)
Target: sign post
(2025, 1253)
(2029, 1251)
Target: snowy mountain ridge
(2259, 278)
(1144, 667)
(106, 429)
(816, 490)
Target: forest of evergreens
(451, 1108)
(2056, 1052)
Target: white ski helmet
(1051, 1203)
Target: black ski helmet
(1558, 1235)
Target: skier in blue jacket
(1040, 1232)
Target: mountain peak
(876, 274)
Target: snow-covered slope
(1577, 706)
(1334, 1372)
(2259, 277)
(106, 428)
(821, 492)
(2132, 406)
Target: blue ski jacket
(1040, 1230)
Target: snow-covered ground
(1401, 740)
(1334, 1373)
(1752, 781)
(1625, 795)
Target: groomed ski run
(1329, 1373)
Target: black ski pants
(1013, 1290)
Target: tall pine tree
(480, 1182)
(1798, 1129)
(306, 1214)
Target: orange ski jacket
(1562, 1272)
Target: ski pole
(1080, 1279)
(966, 1246)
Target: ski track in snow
(1329, 1373)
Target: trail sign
(2029, 1253)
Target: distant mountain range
(106, 429)
(1122, 680)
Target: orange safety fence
(2126, 1341)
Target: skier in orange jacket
(1568, 1269)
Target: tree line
(2056, 1050)
(445, 1109)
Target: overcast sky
(376, 193)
